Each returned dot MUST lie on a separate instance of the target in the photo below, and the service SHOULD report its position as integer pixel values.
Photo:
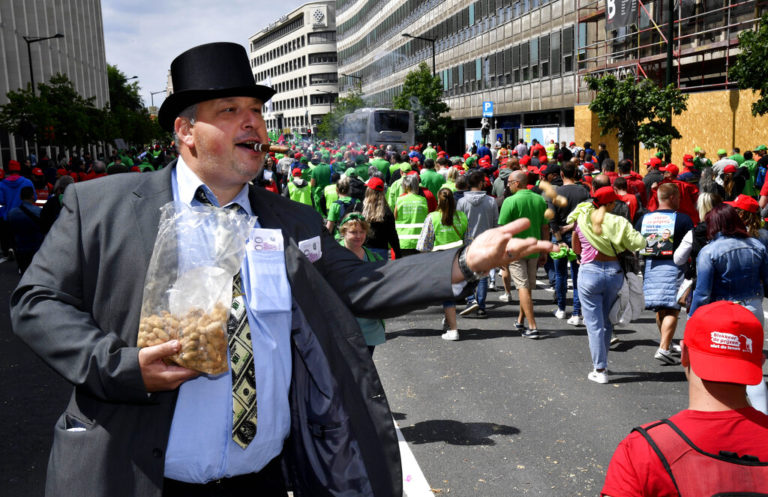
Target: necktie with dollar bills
(244, 412)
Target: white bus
(379, 127)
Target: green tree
(423, 94)
(638, 111)
(330, 127)
(750, 69)
(57, 115)
(128, 118)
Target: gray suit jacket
(78, 307)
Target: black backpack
(354, 205)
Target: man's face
(222, 140)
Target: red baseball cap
(730, 168)
(61, 171)
(296, 172)
(376, 184)
(745, 203)
(604, 196)
(525, 160)
(725, 343)
(670, 168)
(14, 166)
(37, 171)
(653, 162)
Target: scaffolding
(705, 39)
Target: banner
(658, 229)
(620, 13)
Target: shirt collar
(188, 183)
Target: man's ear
(684, 360)
(183, 129)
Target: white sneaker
(506, 297)
(664, 356)
(560, 314)
(575, 321)
(675, 349)
(470, 309)
(598, 377)
(451, 335)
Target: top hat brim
(177, 102)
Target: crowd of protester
(694, 233)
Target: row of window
(288, 122)
(547, 56)
(468, 22)
(276, 52)
(290, 103)
(373, 8)
(298, 63)
(278, 33)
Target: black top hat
(205, 72)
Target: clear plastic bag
(188, 288)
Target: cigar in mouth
(266, 147)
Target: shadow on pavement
(636, 376)
(455, 432)
(625, 345)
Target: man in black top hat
(138, 426)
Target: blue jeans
(599, 285)
(549, 267)
(561, 280)
(481, 292)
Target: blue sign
(487, 109)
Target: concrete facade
(297, 56)
(80, 54)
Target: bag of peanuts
(188, 287)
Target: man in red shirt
(721, 354)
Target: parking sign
(487, 109)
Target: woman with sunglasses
(354, 231)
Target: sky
(142, 37)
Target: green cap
(350, 172)
(721, 151)
(696, 150)
(760, 148)
(660, 155)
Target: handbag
(685, 293)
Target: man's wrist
(469, 275)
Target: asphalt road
(493, 414)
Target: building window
(322, 37)
(323, 58)
(328, 78)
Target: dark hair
(608, 165)
(461, 182)
(443, 161)
(620, 183)
(587, 144)
(446, 205)
(748, 155)
(476, 179)
(568, 170)
(429, 163)
(725, 220)
(625, 166)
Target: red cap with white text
(725, 343)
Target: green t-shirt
(382, 165)
(525, 203)
(432, 180)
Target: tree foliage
(638, 111)
(330, 127)
(750, 69)
(423, 94)
(58, 115)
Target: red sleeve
(764, 189)
(636, 471)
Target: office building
(296, 55)
(79, 54)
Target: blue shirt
(200, 446)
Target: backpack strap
(644, 432)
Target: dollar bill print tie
(244, 412)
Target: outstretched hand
(498, 247)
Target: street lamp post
(432, 41)
(358, 78)
(34, 39)
(152, 96)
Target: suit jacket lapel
(146, 200)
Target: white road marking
(414, 482)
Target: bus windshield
(391, 121)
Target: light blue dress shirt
(200, 447)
